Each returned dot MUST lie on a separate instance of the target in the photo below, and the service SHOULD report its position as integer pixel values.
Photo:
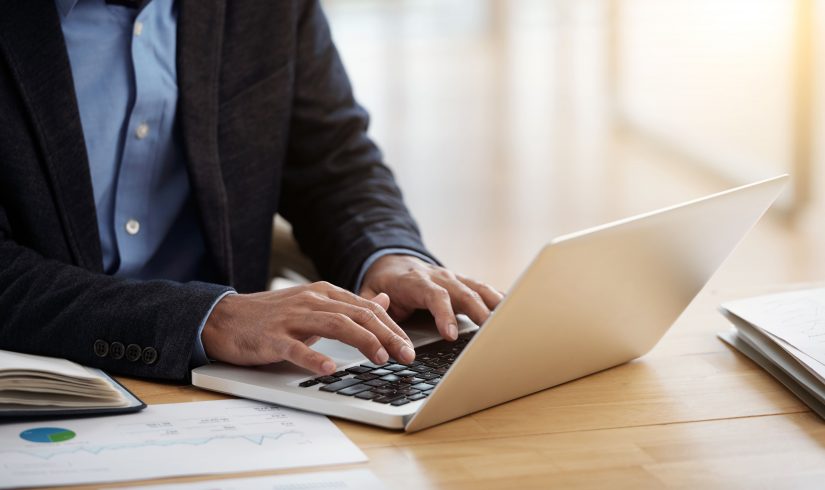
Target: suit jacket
(269, 125)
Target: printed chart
(169, 440)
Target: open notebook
(37, 386)
(785, 335)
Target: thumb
(383, 300)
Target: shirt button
(138, 28)
(142, 131)
(132, 227)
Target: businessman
(145, 147)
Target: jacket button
(150, 355)
(101, 348)
(133, 352)
(117, 349)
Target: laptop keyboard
(394, 383)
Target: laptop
(589, 301)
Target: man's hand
(267, 327)
(414, 284)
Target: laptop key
(327, 379)
(398, 403)
(354, 390)
(339, 385)
(407, 391)
(367, 395)
(391, 378)
(308, 383)
(417, 396)
(395, 367)
(340, 374)
(366, 376)
(419, 386)
(372, 366)
(383, 391)
(388, 398)
(381, 372)
(377, 383)
(428, 375)
(405, 373)
(358, 369)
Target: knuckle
(363, 316)
(374, 307)
(339, 321)
(396, 341)
(417, 274)
(471, 296)
(321, 286)
(446, 274)
(308, 296)
(439, 293)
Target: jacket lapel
(200, 37)
(32, 42)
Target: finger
(466, 300)
(367, 317)
(335, 323)
(382, 299)
(312, 340)
(347, 297)
(299, 354)
(489, 295)
(437, 300)
(367, 293)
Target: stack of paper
(36, 384)
(785, 334)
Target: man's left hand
(413, 284)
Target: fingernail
(381, 355)
(452, 331)
(328, 367)
(408, 354)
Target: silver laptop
(589, 301)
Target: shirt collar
(65, 6)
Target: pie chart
(47, 434)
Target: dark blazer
(269, 125)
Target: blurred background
(510, 122)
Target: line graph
(257, 439)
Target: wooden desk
(691, 413)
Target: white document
(169, 440)
(329, 480)
(798, 318)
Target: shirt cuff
(386, 251)
(198, 352)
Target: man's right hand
(272, 326)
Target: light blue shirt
(125, 74)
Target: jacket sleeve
(341, 200)
(54, 309)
